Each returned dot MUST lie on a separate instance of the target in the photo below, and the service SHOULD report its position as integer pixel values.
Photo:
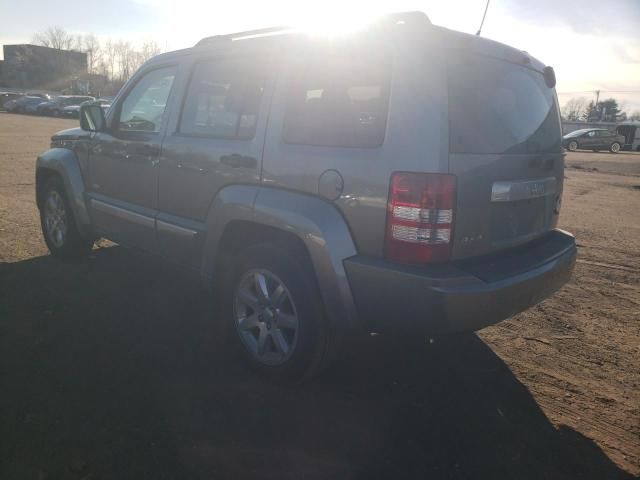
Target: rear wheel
(615, 147)
(277, 316)
(58, 223)
(572, 146)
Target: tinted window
(339, 100)
(223, 99)
(144, 106)
(500, 107)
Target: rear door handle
(239, 161)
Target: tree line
(608, 110)
(115, 59)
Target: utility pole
(595, 107)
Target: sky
(592, 44)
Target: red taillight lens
(420, 217)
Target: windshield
(500, 107)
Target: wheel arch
(244, 215)
(64, 163)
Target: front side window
(223, 99)
(144, 107)
(339, 100)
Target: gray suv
(405, 179)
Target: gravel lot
(114, 368)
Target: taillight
(420, 217)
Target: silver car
(404, 179)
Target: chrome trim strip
(123, 213)
(175, 229)
(511, 191)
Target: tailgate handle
(239, 161)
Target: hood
(71, 108)
(75, 133)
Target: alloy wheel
(265, 317)
(55, 218)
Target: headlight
(61, 143)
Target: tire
(615, 147)
(275, 314)
(58, 223)
(572, 146)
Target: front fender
(65, 163)
(316, 222)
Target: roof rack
(238, 35)
(412, 18)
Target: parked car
(593, 139)
(57, 106)
(44, 96)
(372, 200)
(8, 96)
(630, 130)
(21, 104)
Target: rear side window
(339, 100)
(223, 99)
(500, 107)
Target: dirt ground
(114, 368)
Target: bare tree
(125, 59)
(149, 49)
(109, 57)
(574, 109)
(91, 46)
(55, 37)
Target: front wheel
(277, 315)
(58, 223)
(573, 146)
(615, 147)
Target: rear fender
(316, 222)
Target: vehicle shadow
(116, 368)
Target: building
(35, 67)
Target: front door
(123, 161)
(589, 140)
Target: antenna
(483, 17)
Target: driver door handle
(239, 161)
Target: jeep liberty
(407, 178)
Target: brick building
(35, 67)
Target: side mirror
(92, 118)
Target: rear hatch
(505, 150)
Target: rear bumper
(460, 296)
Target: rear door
(605, 138)
(216, 141)
(505, 150)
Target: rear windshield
(500, 107)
